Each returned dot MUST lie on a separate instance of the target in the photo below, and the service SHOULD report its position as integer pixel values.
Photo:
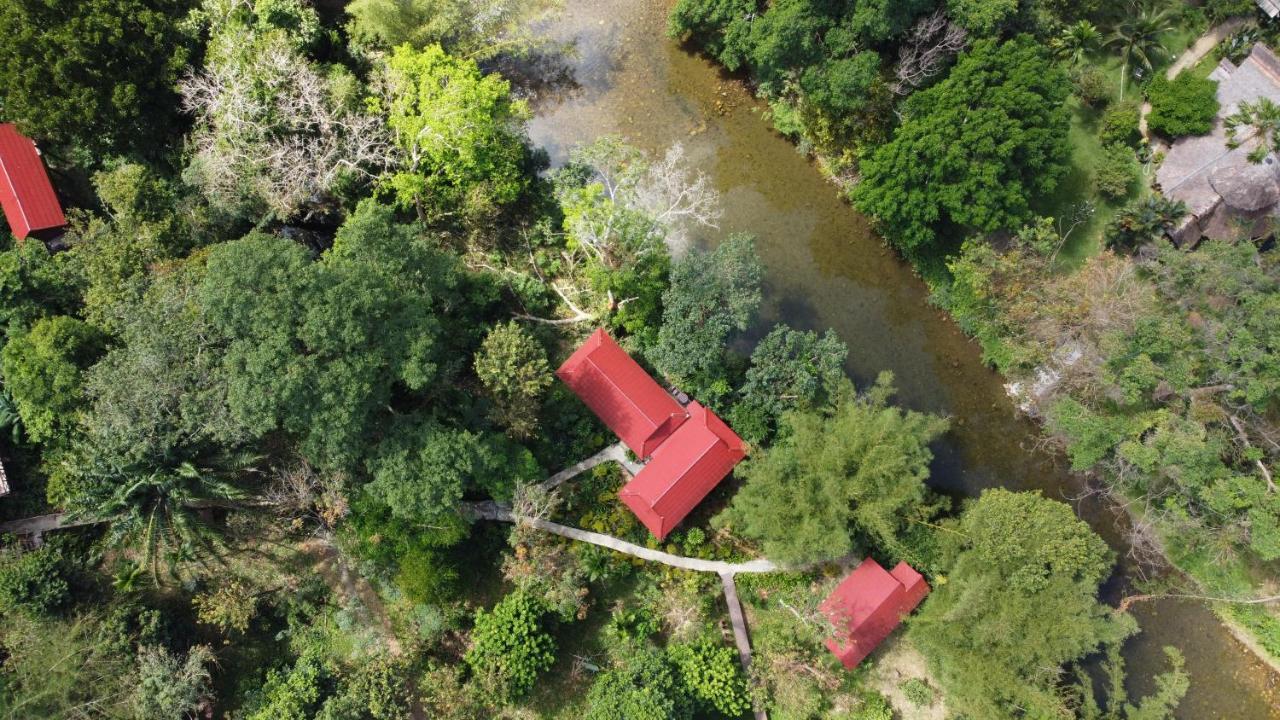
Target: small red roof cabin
(26, 195)
(690, 450)
(684, 469)
(622, 394)
(868, 605)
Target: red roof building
(684, 469)
(622, 394)
(27, 197)
(867, 606)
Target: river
(826, 269)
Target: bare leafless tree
(271, 127)
(929, 45)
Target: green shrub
(1186, 105)
(427, 577)
(1116, 173)
(1219, 10)
(1092, 86)
(917, 691)
(509, 645)
(33, 583)
(713, 676)
(1119, 124)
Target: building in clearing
(684, 469)
(690, 450)
(868, 605)
(622, 394)
(26, 195)
(1228, 196)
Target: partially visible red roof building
(625, 397)
(26, 195)
(867, 605)
(691, 449)
(684, 469)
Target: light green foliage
(790, 369)
(510, 646)
(1116, 173)
(1185, 105)
(467, 28)
(1075, 43)
(43, 373)
(59, 668)
(32, 582)
(315, 347)
(1119, 124)
(982, 17)
(917, 691)
(973, 150)
(292, 694)
(460, 133)
(114, 64)
(839, 477)
(513, 367)
(373, 690)
(711, 295)
(171, 686)
(713, 677)
(1025, 567)
(642, 686)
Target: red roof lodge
(691, 450)
(26, 195)
(867, 605)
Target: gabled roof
(29, 203)
(867, 605)
(622, 394)
(683, 470)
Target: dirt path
(350, 585)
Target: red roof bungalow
(691, 450)
(868, 605)
(684, 469)
(622, 394)
(29, 203)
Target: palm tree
(156, 512)
(1077, 41)
(1263, 117)
(1137, 36)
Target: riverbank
(826, 268)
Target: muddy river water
(826, 269)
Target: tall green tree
(790, 369)
(513, 367)
(973, 150)
(851, 476)
(94, 74)
(1136, 36)
(44, 373)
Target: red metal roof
(867, 605)
(29, 203)
(683, 470)
(622, 394)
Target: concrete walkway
(616, 452)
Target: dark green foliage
(1025, 567)
(1117, 173)
(1143, 221)
(33, 582)
(1119, 125)
(43, 373)
(713, 677)
(643, 686)
(973, 150)
(510, 646)
(1091, 86)
(95, 74)
(790, 369)
(839, 478)
(1185, 105)
(711, 296)
(33, 284)
(1219, 10)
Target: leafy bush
(1219, 10)
(643, 687)
(1116, 172)
(1142, 221)
(917, 692)
(1092, 86)
(33, 583)
(1119, 124)
(712, 676)
(1183, 106)
(427, 577)
(509, 646)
